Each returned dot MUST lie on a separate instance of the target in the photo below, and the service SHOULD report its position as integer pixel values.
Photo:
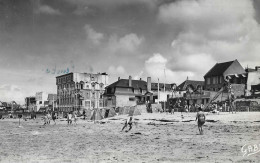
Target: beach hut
(124, 110)
(96, 115)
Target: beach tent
(156, 108)
(89, 114)
(111, 112)
(108, 112)
(134, 111)
(142, 108)
(96, 115)
(124, 110)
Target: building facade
(30, 103)
(41, 101)
(78, 91)
(253, 81)
(129, 92)
(231, 72)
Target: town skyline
(43, 39)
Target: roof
(125, 83)
(218, 69)
(194, 83)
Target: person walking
(201, 119)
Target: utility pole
(53, 102)
(158, 92)
(164, 88)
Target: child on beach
(74, 116)
(48, 118)
(201, 119)
(69, 118)
(45, 119)
(128, 122)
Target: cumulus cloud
(210, 31)
(156, 67)
(112, 3)
(92, 35)
(125, 44)
(139, 75)
(45, 9)
(11, 93)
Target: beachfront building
(41, 101)
(30, 103)
(231, 71)
(253, 82)
(78, 91)
(193, 92)
(129, 92)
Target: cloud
(126, 44)
(93, 35)
(112, 3)
(139, 75)
(156, 67)
(113, 70)
(11, 93)
(210, 31)
(45, 9)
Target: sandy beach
(155, 138)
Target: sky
(166, 39)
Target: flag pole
(158, 92)
(164, 88)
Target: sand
(171, 140)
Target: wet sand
(156, 138)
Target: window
(87, 104)
(81, 86)
(87, 94)
(40, 102)
(208, 81)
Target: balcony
(197, 95)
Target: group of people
(47, 118)
(72, 117)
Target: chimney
(130, 81)
(140, 78)
(118, 78)
(149, 84)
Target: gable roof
(194, 83)
(125, 83)
(218, 69)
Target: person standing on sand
(45, 119)
(69, 118)
(54, 117)
(74, 116)
(201, 119)
(48, 118)
(128, 122)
